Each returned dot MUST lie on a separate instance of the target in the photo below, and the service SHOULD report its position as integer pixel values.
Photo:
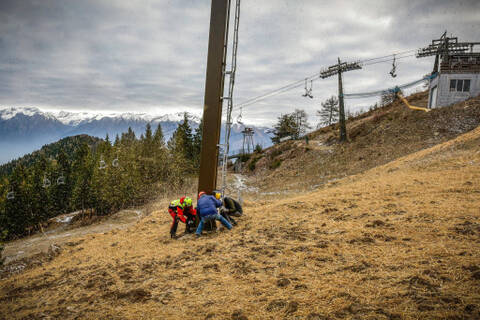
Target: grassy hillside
(375, 138)
(399, 241)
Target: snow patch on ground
(66, 218)
(240, 184)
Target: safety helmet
(176, 203)
(201, 193)
(187, 202)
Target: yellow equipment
(409, 105)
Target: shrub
(253, 163)
(258, 148)
(2, 236)
(275, 153)
(244, 157)
(275, 164)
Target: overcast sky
(150, 56)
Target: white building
(457, 70)
(457, 80)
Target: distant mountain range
(23, 130)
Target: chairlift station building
(457, 67)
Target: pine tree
(82, 196)
(148, 133)
(180, 148)
(197, 144)
(128, 137)
(329, 112)
(160, 157)
(286, 126)
(17, 213)
(117, 140)
(3, 198)
(62, 184)
(181, 143)
(158, 138)
(147, 160)
(186, 130)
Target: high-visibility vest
(176, 203)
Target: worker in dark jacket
(207, 209)
(231, 207)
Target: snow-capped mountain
(23, 130)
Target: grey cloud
(151, 55)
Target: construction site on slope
(385, 226)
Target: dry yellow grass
(400, 241)
(375, 138)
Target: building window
(460, 85)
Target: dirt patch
(467, 228)
(239, 315)
(134, 295)
(276, 305)
(283, 282)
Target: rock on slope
(399, 241)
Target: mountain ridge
(26, 129)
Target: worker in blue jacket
(207, 208)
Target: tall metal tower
(446, 48)
(339, 69)
(248, 145)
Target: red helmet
(201, 193)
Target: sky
(150, 56)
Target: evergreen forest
(83, 173)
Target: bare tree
(301, 120)
(387, 98)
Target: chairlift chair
(394, 68)
(61, 180)
(46, 182)
(308, 92)
(10, 195)
(306, 89)
(239, 118)
(103, 164)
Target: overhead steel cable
(299, 83)
(390, 55)
(388, 60)
(285, 88)
(389, 90)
